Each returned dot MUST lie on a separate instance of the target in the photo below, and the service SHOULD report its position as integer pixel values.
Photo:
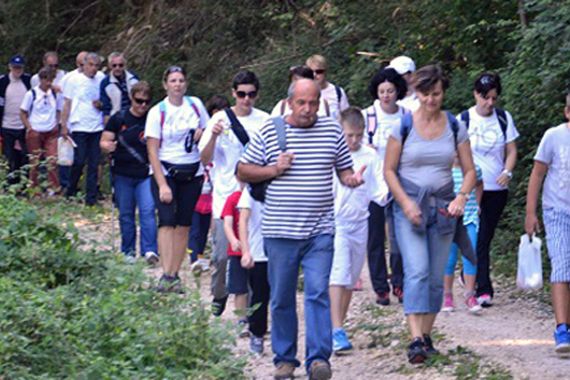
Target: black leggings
(260, 295)
(492, 206)
(184, 197)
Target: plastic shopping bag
(64, 152)
(529, 271)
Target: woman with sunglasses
(173, 128)
(417, 168)
(123, 139)
(492, 133)
(386, 88)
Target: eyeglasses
(115, 65)
(319, 71)
(243, 94)
(53, 66)
(142, 101)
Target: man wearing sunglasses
(333, 94)
(221, 145)
(116, 86)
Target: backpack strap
(281, 131)
(503, 121)
(327, 108)
(194, 107)
(33, 100)
(465, 118)
(237, 127)
(338, 94)
(454, 126)
(372, 122)
(406, 127)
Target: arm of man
(537, 175)
(108, 143)
(253, 173)
(351, 179)
(210, 137)
(65, 117)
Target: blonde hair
(317, 60)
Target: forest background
(527, 42)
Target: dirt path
(513, 339)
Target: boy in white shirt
(351, 223)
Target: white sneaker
(196, 267)
(485, 300)
(151, 258)
(205, 264)
(130, 259)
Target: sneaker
(164, 284)
(485, 300)
(428, 346)
(219, 305)
(562, 339)
(472, 305)
(284, 370)
(256, 345)
(196, 267)
(383, 298)
(205, 263)
(177, 285)
(448, 304)
(320, 370)
(130, 259)
(416, 352)
(341, 344)
(243, 327)
(398, 292)
(151, 258)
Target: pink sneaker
(448, 304)
(473, 305)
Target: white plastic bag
(529, 270)
(64, 152)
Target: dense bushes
(66, 313)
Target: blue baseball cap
(17, 60)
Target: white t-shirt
(82, 91)
(410, 102)
(351, 205)
(488, 145)
(554, 151)
(254, 225)
(226, 154)
(385, 122)
(178, 121)
(330, 95)
(287, 110)
(66, 77)
(43, 115)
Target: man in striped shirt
(298, 223)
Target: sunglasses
(142, 101)
(54, 66)
(114, 65)
(486, 80)
(319, 71)
(243, 94)
(175, 69)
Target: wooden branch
(76, 20)
(522, 14)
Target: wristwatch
(508, 173)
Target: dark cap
(17, 60)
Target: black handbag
(181, 172)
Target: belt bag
(181, 172)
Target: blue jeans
(285, 256)
(129, 194)
(87, 151)
(424, 256)
(468, 267)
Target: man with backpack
(298, 221)
(222, 144)
(333, 94)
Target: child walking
(553, 161)
(351, 223)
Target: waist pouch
(257, 190)
(181, 172)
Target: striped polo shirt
(471, 212)
(299, 203)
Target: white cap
(403, 65)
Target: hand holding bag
(529, 270)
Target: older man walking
(298, 225)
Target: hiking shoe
(562, 339)
(164, 284)
(243, 327)
(383, 298)
(219, 305)
(256, 344)
(428, 346)
(177, 286)
(448, 304)
(485, 300)
(398, 292)
(284, 370)
(416, 352)
(151, 258)
(472, 305)
(341, 344)
(320, 370)
(130, 259)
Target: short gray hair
(116, 54)
(91, 56)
